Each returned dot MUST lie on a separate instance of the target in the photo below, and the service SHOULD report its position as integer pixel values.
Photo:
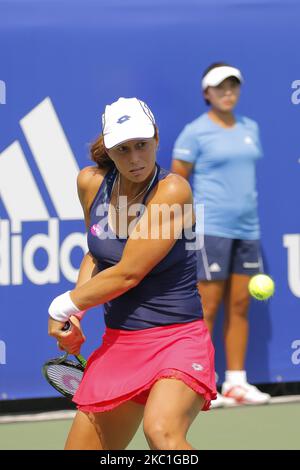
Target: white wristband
(62, 307)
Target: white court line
(49, 416)
(285, 399)
(69, 414)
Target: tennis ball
(261, 287)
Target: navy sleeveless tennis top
(167, 295)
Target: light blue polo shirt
(223, 174)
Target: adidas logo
(53, 172)
(214, 268)
(248, 140)
(291, 241)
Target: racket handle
(81, 360)
(67, 326)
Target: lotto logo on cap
(126, 119)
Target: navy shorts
(221, 257)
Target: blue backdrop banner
(61, 62)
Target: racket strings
(66, 378)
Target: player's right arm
(185, 152)
(88, 182)
(182, 168)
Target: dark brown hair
(213, 66)
(99, 154)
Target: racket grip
(81, 360)
(67, 326)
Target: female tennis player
(221, 149)
(156, 360)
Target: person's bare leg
(212, 293)
(170, 410)
(110, 430)
(237, 301)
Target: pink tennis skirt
(128, 363)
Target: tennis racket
(64, 374)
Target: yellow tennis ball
(261, 287)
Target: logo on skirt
(197, 366)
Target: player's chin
(227, 108)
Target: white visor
(217, 75)
(126, 119)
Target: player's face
(225, 96)
(135, 158)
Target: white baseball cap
(126, 119)
(218, 74)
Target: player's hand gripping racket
(63, 374)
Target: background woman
(220, 150)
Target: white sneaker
(221, 401)
(245, 394)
